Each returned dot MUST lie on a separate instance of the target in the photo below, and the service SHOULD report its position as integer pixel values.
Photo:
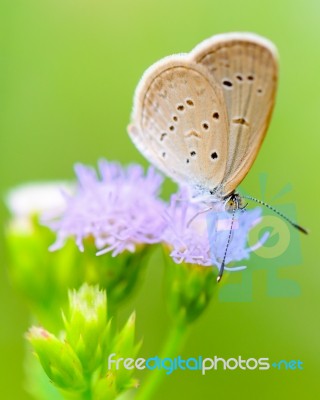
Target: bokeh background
(68, 69)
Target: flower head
(118, 208)
(198, 235)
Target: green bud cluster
(76, 361)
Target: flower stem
(171, 348)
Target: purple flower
(119, 208)
(203, 240)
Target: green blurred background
(68, 69)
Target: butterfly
(201, 117)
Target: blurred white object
(35, 199)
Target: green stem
(171, 348)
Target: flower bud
(189, 289)
(124, 346)
(86, 325)
(40, 276)
(58, 359)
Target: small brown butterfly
(201, 117)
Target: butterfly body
(201, 117)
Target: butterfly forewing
(245, 67)
(180, 123)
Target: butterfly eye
(230, 205)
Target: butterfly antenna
(226, 250)
(295, 225)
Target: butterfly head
(234, 202)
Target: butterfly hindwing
(180, 122)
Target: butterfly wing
(180, 123)
(245, 67)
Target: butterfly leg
(197, 214)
